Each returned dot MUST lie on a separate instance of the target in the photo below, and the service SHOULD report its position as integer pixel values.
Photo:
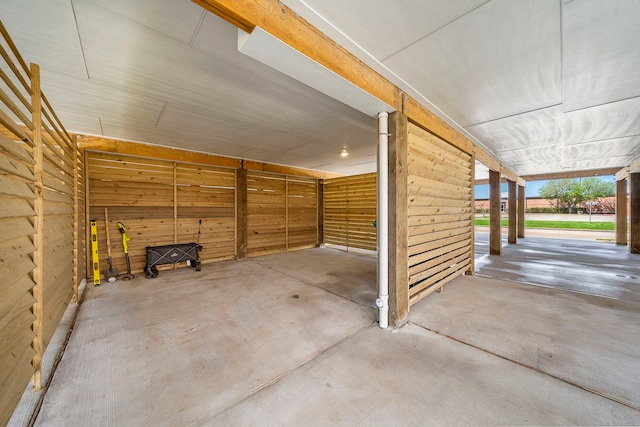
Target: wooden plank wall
(59, 233)
(38, 232)
(80, 254)
(282, 213)
(137, 192)
(266, 214)
(207, 193)
(350, 211)
(160, 202)
(16, 266)
(440, 212)
(302, 215)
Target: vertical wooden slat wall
(160, 202)
(282, 213)
(38, 187)
(440, 212)
(350, 209)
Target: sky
(530, 190)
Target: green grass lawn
(574, 225)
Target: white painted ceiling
(548, 86)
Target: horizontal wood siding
(282, 213)
(207, 193)
(440, 212)
(266, 214)
(137, 192)
(16, 267)
(81, 238)
(350, 210)
(17, 249)
(59, 233)
(160, 202)
(37, 225)
(302, 215)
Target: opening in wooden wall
(350, 209)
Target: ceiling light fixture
(344, 152)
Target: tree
(572, 192)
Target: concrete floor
(581, 263)
(291, 339)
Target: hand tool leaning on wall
(111, 274)
(95, 263)
(125, 244)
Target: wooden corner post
(241, 212)
(76, 221)
(495, 226)
(521, 209)
(472, 257)
(38, 225)
(634, 207)
(621, 213)
(398, 219)
(513, 212)
(320, 212)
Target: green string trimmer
(125, 244)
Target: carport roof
(545, 86)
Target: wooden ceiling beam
(228, 14)
(572, 174)
(519, 181)
(96, 143)
(634, 166)
(283, 23)
(622, 174)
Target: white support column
(383, 220)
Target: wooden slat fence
(302, 213)
(40, 195)
(440, 212)
(207, 193)
(160, 202)
(350, 211)
(80, 253)
(282, 213)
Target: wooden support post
(634, 205)
(398, 219)
(320, 192)
(76, 221)
(175, 206)
(472, 265)
(38, 225)
(495, 217)
(521, 208)
(241, 213)
(621, 213)
(513, 212)
(286, 214)
(87, 214)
